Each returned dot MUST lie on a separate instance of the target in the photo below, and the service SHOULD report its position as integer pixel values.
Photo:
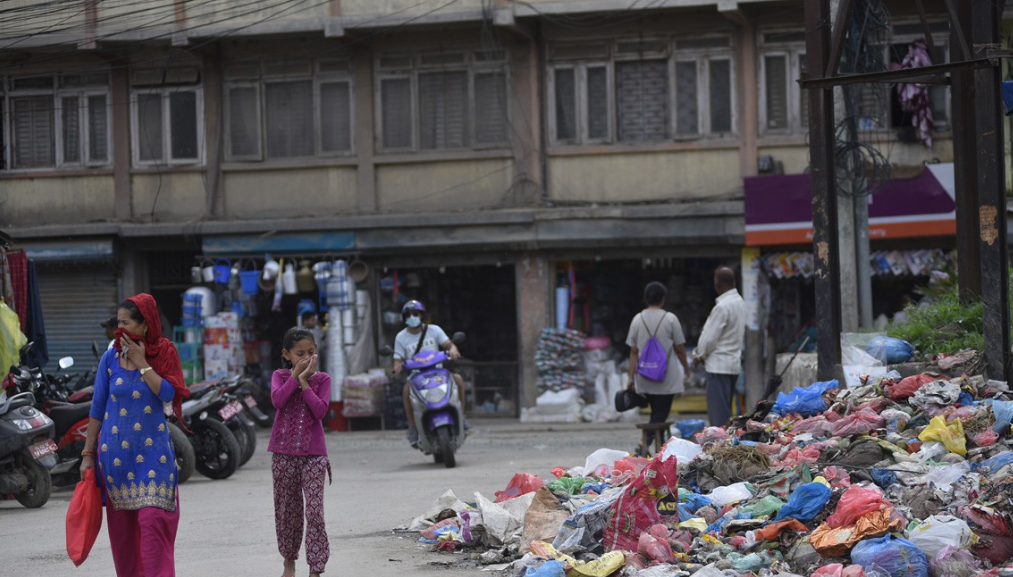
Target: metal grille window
(451, 100)
(641, 90)
(784, 107)
(289, 109)
(55, 121)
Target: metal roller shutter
(75, 301)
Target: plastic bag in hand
(805, 502)
(895, 557)
(84, 518)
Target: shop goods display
(893, 477)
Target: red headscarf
(159, 351)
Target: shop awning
(779, 208)
(89, 250)
(286, 242)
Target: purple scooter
(436, 403)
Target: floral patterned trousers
(296, 476)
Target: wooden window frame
(165, 92)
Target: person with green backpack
(658, 363)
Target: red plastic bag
(521, 484)
(986, 438)
(84, 518)
(908, 386)
(855, 503)
(653, 545)
(838, 476)
(636, 510)
(857, 423)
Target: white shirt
(720, 343)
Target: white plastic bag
(943, 476)
(602, 457)
(938, 531)
(730, 494)
(682, 449)
(552, 402)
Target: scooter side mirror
(386, 351)
(66, 362)
(458, 338)
(24, 350)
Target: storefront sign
(779, 208)
(296, 242)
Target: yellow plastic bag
(11, 338)
(950, 434)
(603, 566)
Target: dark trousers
(720, 389)
(661, 407)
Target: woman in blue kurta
(135, 383)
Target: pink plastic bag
(817, 426)
(855, 503)
(809, 455)
(653, 545)
(839, 477)
(986, 438)
(521, 484)
(955, 562)
(857, 423)
(838, 570)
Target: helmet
(411, 305)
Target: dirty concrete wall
(289, 193)
(170, 196)
(435, 186)
(56, 200)
(533, 297)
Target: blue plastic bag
(890, 350)
(995, 463)
(690, 427)
(883, 477)
(549, 569)
(895, 557)
(695, 501)
(1003, 412)
(806, 401)
(805, 502)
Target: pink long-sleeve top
(298, 424)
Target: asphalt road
(227, 527)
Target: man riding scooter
(415, 338)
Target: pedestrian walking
(300, 395)
(720, 346)
(655, 332)
(128, 437)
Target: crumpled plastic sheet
(896, 557)
(858, 423)
(805, 502)
(806, 401)
(908, 386)
(954, 562)
(950, 434)
(839, 570)
(936, 396)
(855, 503)
(939, 531)
(838, 542)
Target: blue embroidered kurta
(135, 456)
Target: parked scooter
(27, 450)
(436, 403)
(215, 448)
(233, 413)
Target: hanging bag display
(652, 363)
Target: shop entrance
(480, 301)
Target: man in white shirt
(720, 346)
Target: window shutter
(33, 132)
(490, 108)
(642, 100)
(720, 95)
(70, 109)
(98, 128)
(396, 107)
(244, 122)
(289, 119)
(597, 103)
(775, 76)
(335, 117)
(686, 106)
(566, 104)
(443, 106)
(183, 125)
(149, 126)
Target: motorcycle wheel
(216, 449)
(237, 431)
(437, 458)
(445, 442)
(249, 430)
(185, 458)
(40, 485)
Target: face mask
(413, 322)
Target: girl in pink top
(300, 395)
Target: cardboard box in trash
(364, 394)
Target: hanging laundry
(18, 262)
(35, 327)
(914, 98)
(6, 287)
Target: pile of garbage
(890, 478)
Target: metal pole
(821, 154)
(988, 134)
(965, 163)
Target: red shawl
(159, 351)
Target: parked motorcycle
(436, 403)
(215, 448)
(27, 450)
(231, 411)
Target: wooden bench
(662, 433)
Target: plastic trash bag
(889, 350)
(84, 518)
(682, 449)
(838, 477)
(858, 423)
(996, 463)
(806, 401)
(955, 562)
(601, 462)
(548, 569)
(696, 501)
(765, 507)
(690, 427)
(895, 557)
(653, 544)
(986, 438)
(636, 509)
(838, 570)
(950, 434)
(730, 494)
(1003, 413)
(883, 477)
(838, 542)
(856, 502)
(520, 484)
(895, 420)
(939, 531)
(943, 476)
(805, 502)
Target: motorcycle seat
(66, 416)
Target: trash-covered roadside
(891, 478)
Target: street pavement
(380, 483)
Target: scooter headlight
(435, 394)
